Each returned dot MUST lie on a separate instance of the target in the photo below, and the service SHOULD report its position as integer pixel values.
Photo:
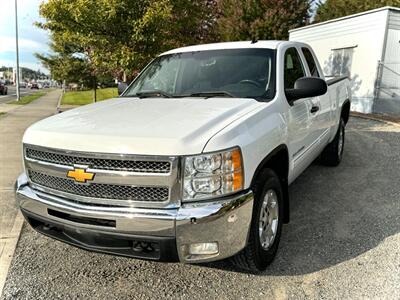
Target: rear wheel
(333, 153)
(266, 224)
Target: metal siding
(392, 53)
(363, 32)
(338, 29)
(391, 63)
(394, 19)
(388, 83)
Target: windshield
(244, 73)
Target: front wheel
(266, 224)
(333, 153)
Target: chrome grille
(139, 166)
(127, 180)
(104, 191)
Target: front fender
(257, 133)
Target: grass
(86, 97)
(28, 99)
(2, 114)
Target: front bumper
(157, 234)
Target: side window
(293, 68)
(310, 62)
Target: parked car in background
(34, 86)
(22, 84)
(193, 162)
(3, 88)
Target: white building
(365, 46)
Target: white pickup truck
(193, 161)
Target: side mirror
(306, 87)
(122, 87)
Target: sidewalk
(12, 127)
(4, 107)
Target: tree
(332, 9)
(67, 68)
(26, 73)
(261, 19)
(121, 36)
(88, 36)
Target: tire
(6, 92)
(333, 152)
(254, 257)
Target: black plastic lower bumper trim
(143, 247)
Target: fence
(387, 89)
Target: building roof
(228, 45)
(397, 9)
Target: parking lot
(343, 241)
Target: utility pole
(17, 50)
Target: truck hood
(152, 126)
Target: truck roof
(227, 45)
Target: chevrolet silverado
(193, 161)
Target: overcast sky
(31, 38)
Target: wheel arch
(277, 160)
(345, 113)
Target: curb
(374, 118)
(11, 243)
(59, 103)
(62, 108)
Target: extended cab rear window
(244, 73)
(312, 66)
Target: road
(342, 243)
(12, 93)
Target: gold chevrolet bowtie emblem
(80, 175)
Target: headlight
(213, 174)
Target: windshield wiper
(155, 93)
(210, 94)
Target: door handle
(314, 109)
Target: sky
(31, 38)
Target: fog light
(203, 248)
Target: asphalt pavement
(12, 93)
(343, 242)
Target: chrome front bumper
(225, 221)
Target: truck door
(302, 136)
(321, 106)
